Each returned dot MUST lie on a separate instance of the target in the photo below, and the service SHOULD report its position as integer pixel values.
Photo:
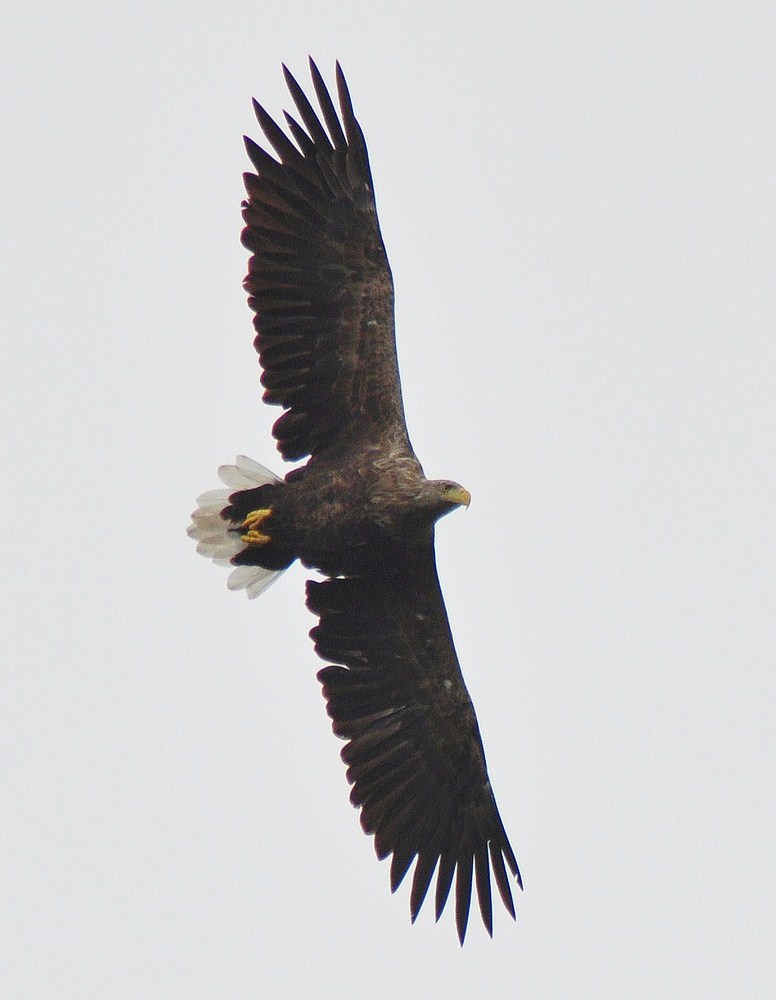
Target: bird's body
(360, 511)
(334, 518)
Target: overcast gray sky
(579, 204)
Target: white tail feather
(212, 499)
(254, 580)
(212, 532)
(245, 474)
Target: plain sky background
(579, 204)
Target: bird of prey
(360, 511)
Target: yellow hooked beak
(459, 496)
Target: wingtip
(463, 895)
(444, 881)
(400, 864)
(262, 115)
(288, 76)
(343, 92)
(314, 71)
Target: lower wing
(415, 759)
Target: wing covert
(319, 280)
(415, 759)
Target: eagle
(360, 511)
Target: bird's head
(445, 495)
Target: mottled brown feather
(319, 270)
(415, 758)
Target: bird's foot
(252, 523)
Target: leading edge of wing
(414, 755)
(318, 278)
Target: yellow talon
(256, 517)
(252, 522)
(255, 538)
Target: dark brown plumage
(360, 510)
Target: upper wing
(414, 753)
(319, 280)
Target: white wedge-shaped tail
(215, 535)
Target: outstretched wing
(319, 280)
(414, 753)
